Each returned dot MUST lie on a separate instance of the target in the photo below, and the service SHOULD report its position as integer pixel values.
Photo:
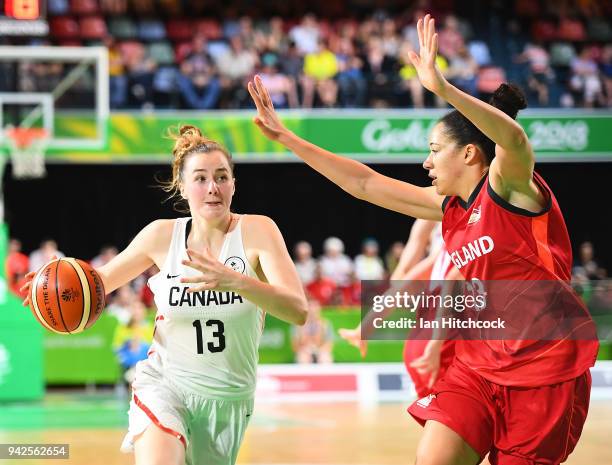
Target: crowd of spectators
(175, 56)
(334, 278)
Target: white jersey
(207, 341)
(443, 263)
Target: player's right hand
(26, 287)
(266, 120)
(353, 337)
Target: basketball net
(27, 149)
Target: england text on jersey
(179, 296)
(471, 251)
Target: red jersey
(490, 239)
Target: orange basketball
(67, 296)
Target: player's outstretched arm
(514, 159)
(137, 257)
(353, 177)
(280, 291)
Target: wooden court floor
(338, 434)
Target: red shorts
(517, 426)
(413, 349)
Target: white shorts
(210, 429)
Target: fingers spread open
(420, 33)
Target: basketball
(67, 296)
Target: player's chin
(211, 211)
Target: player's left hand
(425, 62)
(429, 362)
(214, 274)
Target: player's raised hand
(425, 62)
(214, 274)
(266, 120)
(353, 337)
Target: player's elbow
(300, 313)
(517, 139)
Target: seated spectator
(320, 68)
(274, 37)
(140, 73)
(380, 71)
(392, 257)
(281, 88)
(306, 35)
(236, 66)
(606, 72)
(198, 85)
(16, 267)
(292, 63)
(586, 265)
(144, 292)
(43, 255)
(116, 70)
(335, 265)
(132, 340)
(323, 289)
(368, 265)
(389, 37)
(305, 265)
(540, 72)
(450, 39)
(585, 82)
(120, 304)
(409, 81)
(351, 81)
(313, 342)
(463, 71)
(410, 32)
(107, 253)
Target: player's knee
(155, 447)
(439, 456)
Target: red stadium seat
(543, 30)
(93, 27)
(571, 29)
(84, 7)
(64, 27)
(209, 28)
(179, 30)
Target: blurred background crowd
(182, 54)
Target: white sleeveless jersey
(205, 341)
(443, 263)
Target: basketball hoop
(27, 148)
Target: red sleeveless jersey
(490, 239)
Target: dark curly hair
(508, 98)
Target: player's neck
(206, 232)
(470, 182)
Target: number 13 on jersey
(218, 344)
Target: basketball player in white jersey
(219, 273)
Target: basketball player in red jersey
(522, 405)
